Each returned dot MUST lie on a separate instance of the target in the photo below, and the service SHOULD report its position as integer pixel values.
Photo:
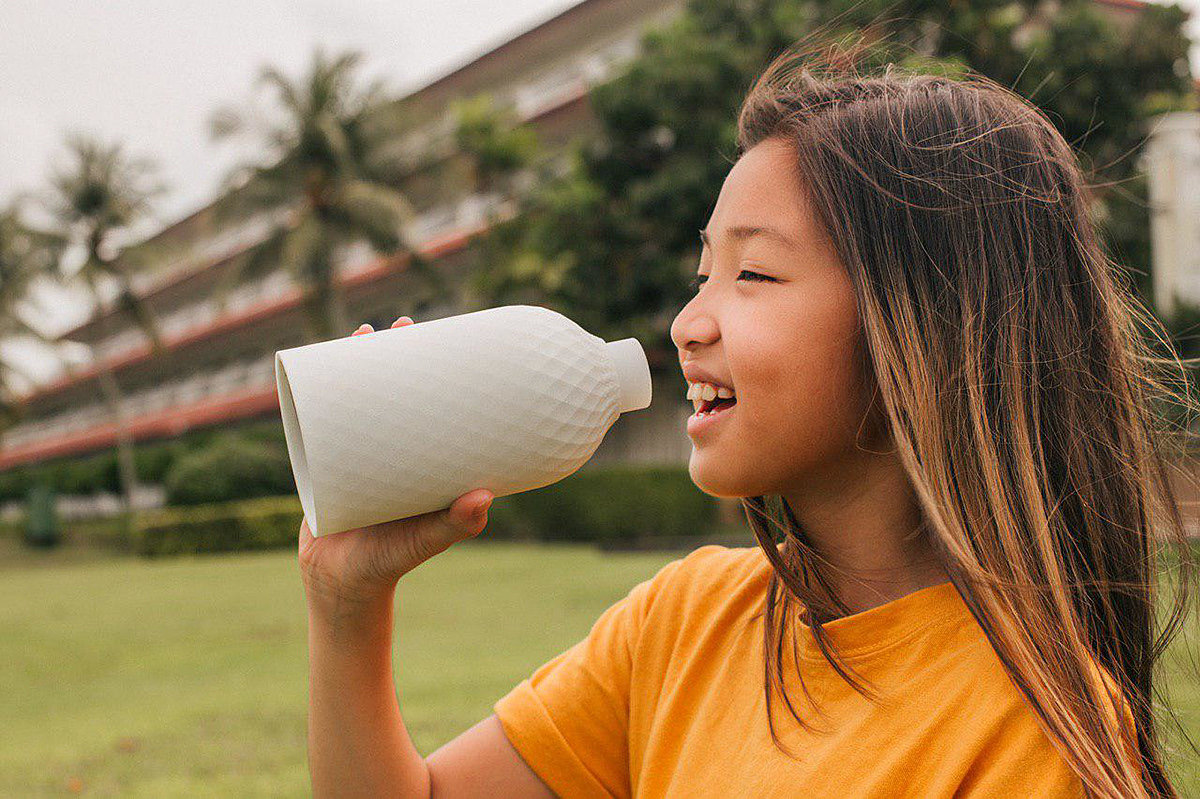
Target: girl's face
(775, 318)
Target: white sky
(150, 72)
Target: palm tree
(27, 255)
(98, 196)
(330, 165)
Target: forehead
(764, 188)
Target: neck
(864, 522)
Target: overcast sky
(150, 72)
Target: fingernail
(481, 507)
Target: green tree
(501, 152)
(498, 146)
(331, 167)
(27, 256)
(613, 241)
(99, 196)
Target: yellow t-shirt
(664, 697)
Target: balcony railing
(466, 213)
(529, 98)
(235, 377)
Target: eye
(699, 280)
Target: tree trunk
(126, 466)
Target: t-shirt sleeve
(570, 719)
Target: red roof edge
(167, 423)
(170, 422)
(380, 268)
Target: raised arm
(358, 745)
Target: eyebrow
(743, 232)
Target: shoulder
(711, 587)
(1011, 749)
(991, 716)
(711, 570)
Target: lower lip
(697, 423)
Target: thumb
(465, 518)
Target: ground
(186, 677)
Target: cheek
(804, 387)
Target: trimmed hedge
(616, 502)
(265, 523)
(600, 505)
(89, 474)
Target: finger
(363, 328)
(401, 321)
(461, 514)
(459, 521)
(468, 509)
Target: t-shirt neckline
(883, 626)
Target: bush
(270, 432)
(601, 505)
(230, 468)
(14, 483)
(41, 521)
(88, 475)
(153, 461)
(264, 523)
(615, 502)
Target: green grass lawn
(188, 677)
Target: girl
(942, 437)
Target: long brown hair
(1013, 382)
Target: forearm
(357, 742)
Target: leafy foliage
(497, 146)
(27, 255)
(613, 241)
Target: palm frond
(259, 189)
(374, 212)
(226, 122)
(305, 251)
(287, 92)
(335, 142)
(27, 255)
(330, 144)
(258, 261)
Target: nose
(692, 328)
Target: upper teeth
(702, 392)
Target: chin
(716, 477)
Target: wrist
(350, 613)
(340, 596)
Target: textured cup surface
(403, 421)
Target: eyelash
(695, 283)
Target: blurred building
(1172, 163)
(220, 366)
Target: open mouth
(716, 405)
